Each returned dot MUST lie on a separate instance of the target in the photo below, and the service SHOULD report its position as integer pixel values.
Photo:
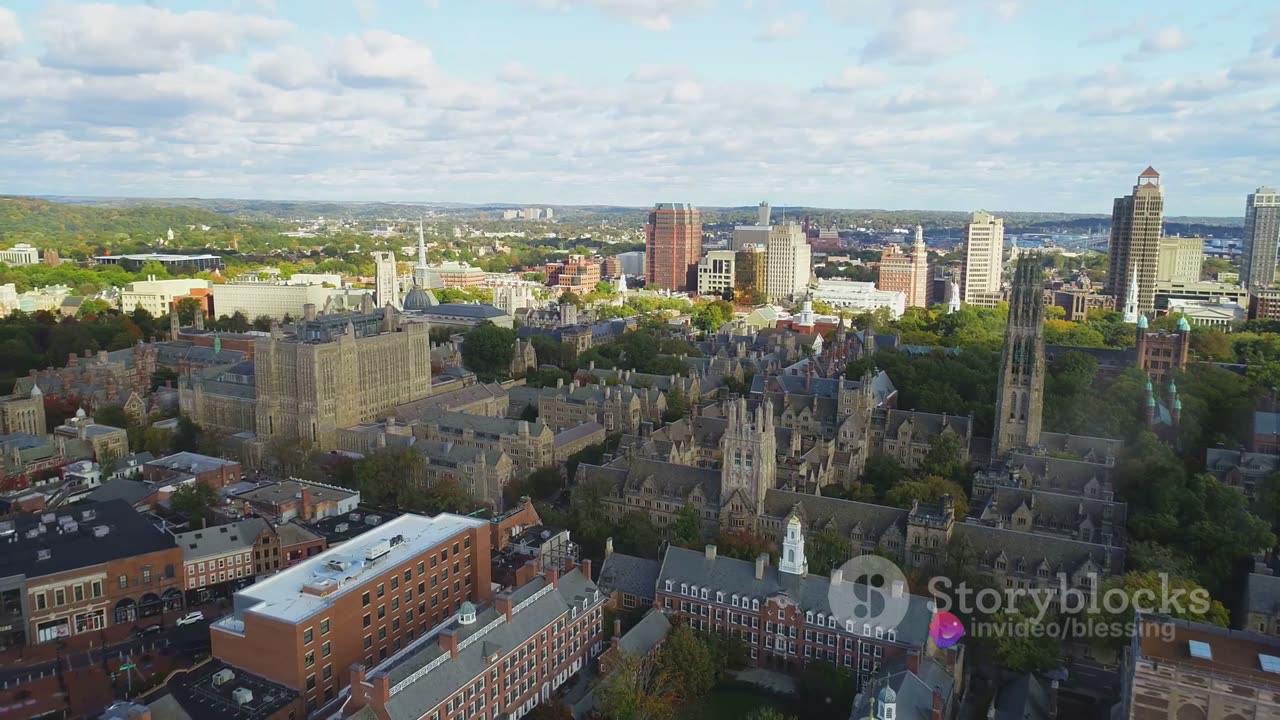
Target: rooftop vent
(44, 554)
(222, 677)
(354, 517)
(242, 696)
(88, 515)
(48, 518)
(100, 531)
(341, 527)
(338, 565)
(372, 519)
(377, 550)
(1200, 650)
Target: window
(324, 626)
(311, 682)
(382, 633)
(124, 581)
(59, 597)
(364, 599)
(309, 660)
(382, 611)
(328, 671)
(40, 601)
(368, 641)
(382, 590)
(395, 582)
(307, 636)
(78, 592)
(324, 649)
(95, 589)
(368, 620)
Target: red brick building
(673, 246)
(73, 575)
(1160, 353)
(359, 602)
(578, 273)
(217, 473)
(497, 661)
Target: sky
(897, 104)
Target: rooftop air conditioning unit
(242, 696)
(222, 677)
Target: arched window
(149, 605)
(126, 611)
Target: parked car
(148, 630)
(191, 618)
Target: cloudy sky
(937, 104)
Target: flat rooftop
(1243, 654)
(191, 462)
(311, 586)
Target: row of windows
(59, 595)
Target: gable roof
(629, 574)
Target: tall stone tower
(1020, 398)
(750, 453)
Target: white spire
(420, 270)
(919, 235)
(793, 560)
(622, 284)
(1131, 298)
(953, 306)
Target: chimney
(309, 311)
(449, 642)
(502, 603)
(837, 576)
(762, 560)
(586, 568)
(553, 576)
(1053, 699)
(913, 660)
(617, 634)
(897, 588)
(304, 499)
(711, 552)
(381, 689)
(938, 706)
(608, 547)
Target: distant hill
(22, 216)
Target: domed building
(419, 299)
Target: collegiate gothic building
(1020, 397)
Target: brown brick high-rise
(673, 246)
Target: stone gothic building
(1020, 397)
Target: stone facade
(1020, 396)
(337, 371)
(529, 445)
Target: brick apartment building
(782, 614)
(217, 473)
(81, 572)
(359, 602)
(500, 661)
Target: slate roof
(1058, 511)
(914, 689)
(668, 479)
(131, 491)
(419, 696)
(448, 401)
(191, 462)
(475, 311)
(810, 592)
(924, 425)
(1262, 594)
(646, 634)
(1025, 697)
(480, 423)
(576, 433)
(1090, 449)
(220, 539)
(1070, 477)
(629, 574)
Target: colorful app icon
(945, 629)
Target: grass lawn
(727, 704)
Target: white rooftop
(310, 586)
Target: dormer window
(892, 635)
(684, 588)
(866, 630)
(831, 621)
(704, 593)
(879, 633)
(735, 600)
(669, 585)
(755, 603)
(808, 617)
(719, 596)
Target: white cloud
(852, 79)
(656, 15)
(787, 27)
(1166, 39)
(378, 57)
(917, 36)
(1113, 33)
(1005, 9)
(948, 90)
(138, 38)
(288, 68)
(686, 92)
(10, 31)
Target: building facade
(1020, 396)
(907, 273)
(717, 272)
(23, 413)
(530, 445)
(983, 260)
(271, 299)
(357, 603)
(1136, 226)
(788, 261)
(751, 272)
(1261, 238)
(20, 254)
(337, 371)
(860, 297)
(157, 296)
(385, 281)
(1179, 259)
(673, 245)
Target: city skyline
(836, 104)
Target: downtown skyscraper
(983, 260)
(1136, 222)
(1261, 238)
(673, 246)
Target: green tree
(195, 500)
(487, 351)
(943, 459)
(687, 529)
(883, 473)
(1150, 592)
(768, 713)
(634, 690)
(685, 664)
(827, 551)
(262, 323)
(386, 476)
(637, 535)
(156, 441)
(187, 308)
(1022, 645)
(677, 405)
(929, 490)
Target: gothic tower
(749, 455)
(1020, 397)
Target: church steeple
(420, 270)
(1020, 397)
(793, 560)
